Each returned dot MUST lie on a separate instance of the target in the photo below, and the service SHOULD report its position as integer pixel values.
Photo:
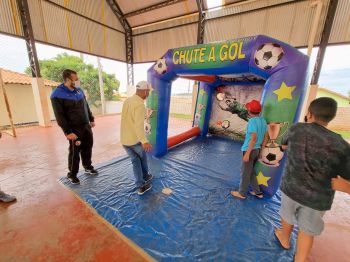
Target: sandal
(260, 195)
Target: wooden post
(2, 86)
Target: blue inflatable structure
(280, 70)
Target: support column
(102, 91)
(326, 32)
(40, 97)
(41, 102)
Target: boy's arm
(341, 184)
(253, 138)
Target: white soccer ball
(197, 118)
(148, 128)
(160, 66)
(272, 156)
(220, 96)
(268, 55)
(225, 124)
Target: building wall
(21, 100)
(342, 120)
(342, 102)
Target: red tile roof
(10, 77)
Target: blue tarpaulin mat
(200, 220)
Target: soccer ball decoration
(197, 119)
(225, 124)
(148, 128)
(267, 56)
(272, 155)
(160, 67)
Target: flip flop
(237, 194)
(260, 195)
(285, 247)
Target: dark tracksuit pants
(85, 136)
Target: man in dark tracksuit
(73, 115)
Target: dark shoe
(148, 178)
(73, 179)
(143, 189)
(6, 198)
(91, 171)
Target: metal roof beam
(128, 40)
(29, 37)
(201, 22)
(153, 7)
(324, 40)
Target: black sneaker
(148, 178)
(73, 179)
(143, 189)
(91, 171)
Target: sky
(335, 74)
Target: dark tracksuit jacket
(73, 115)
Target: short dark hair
(67, 74)
(323, 108)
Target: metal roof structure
(135, 31)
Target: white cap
(143, 85)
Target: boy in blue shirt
(255, 136)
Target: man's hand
(71, 136)
(341, 184)
(246, 157)
(147, 147)
(92, 124)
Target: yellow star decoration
(202, 92)
(284, 92)
(262, 180)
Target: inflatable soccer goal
(230, 74)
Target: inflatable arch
(280, 70)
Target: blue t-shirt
(256, 125)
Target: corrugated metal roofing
(341, 25)
(55, 25)
(90, 26)
(151, 46)
(290, 23)
(9, 19)
(175, 10)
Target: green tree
(88, 75)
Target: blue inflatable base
(200, 220)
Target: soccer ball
(160, 66)
(225, 124)
(272, 156)
(148, 128)
(268, 55)
(197, 118)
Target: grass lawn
(344, 134)
(182, 116)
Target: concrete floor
(48, 223)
